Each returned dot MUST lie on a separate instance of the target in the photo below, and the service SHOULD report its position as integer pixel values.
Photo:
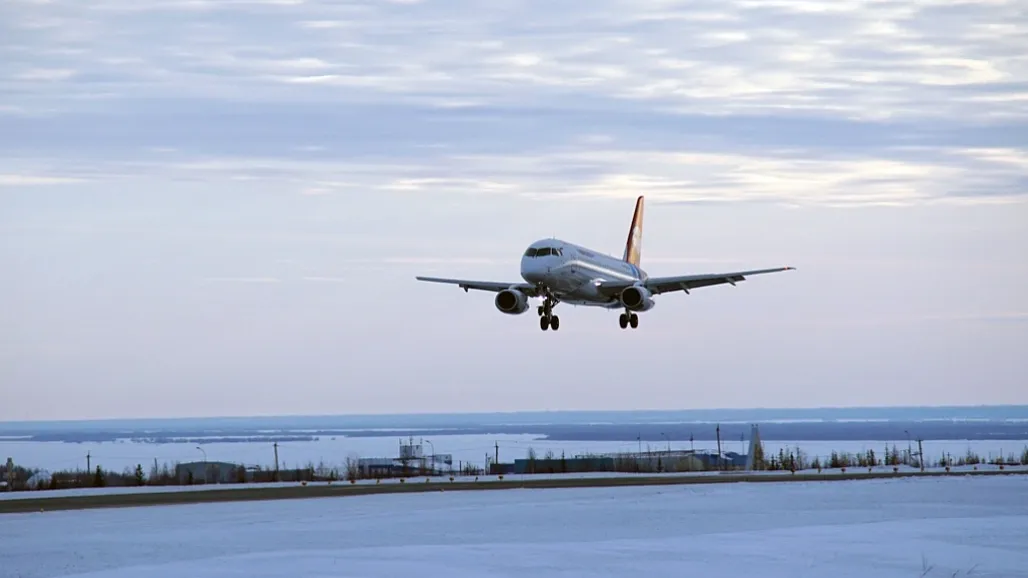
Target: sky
(219, 207)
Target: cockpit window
(543, 252)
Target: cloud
(14, 180)
(791, 101)
(329, 279)
(893, 176)
(706, 57)
(1015, 318)
(45, 75)
(246, 280)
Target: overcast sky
(218, 207)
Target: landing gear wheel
(623, 320)
(555, 322)
(544, 323)
(634, 320)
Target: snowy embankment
(893, 528)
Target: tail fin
(633, 247)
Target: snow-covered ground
(971, 526)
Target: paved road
(342, 489)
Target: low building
(208, 472)
(382, 468)
(576, 464)
(645, 462)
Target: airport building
(412, 460)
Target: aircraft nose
(530, 270)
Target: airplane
(557, 271)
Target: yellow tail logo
(633, 247)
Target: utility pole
(277, 461)
(89, 462)
(691, 446)
(639, 438)
(497, 458)
(718, 446)
(920, 454)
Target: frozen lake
(887, 528)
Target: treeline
(796, 459)
(175, 474)
(23, 478)
(223, 440)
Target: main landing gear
(629, 318)
(547, 320)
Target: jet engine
(512, 302)
(637, 298)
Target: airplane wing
(494, 286)
(686, 283)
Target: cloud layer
(840, 103)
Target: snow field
(886, 528)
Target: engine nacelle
(511, 302)
(637, 298)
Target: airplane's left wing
(494, 286)
(658, 285)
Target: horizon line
(517, 412)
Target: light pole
(429, 442)
(204, 463)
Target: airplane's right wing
(658, 285)
(494, 286)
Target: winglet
(633, 246)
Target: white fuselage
(570, 272)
